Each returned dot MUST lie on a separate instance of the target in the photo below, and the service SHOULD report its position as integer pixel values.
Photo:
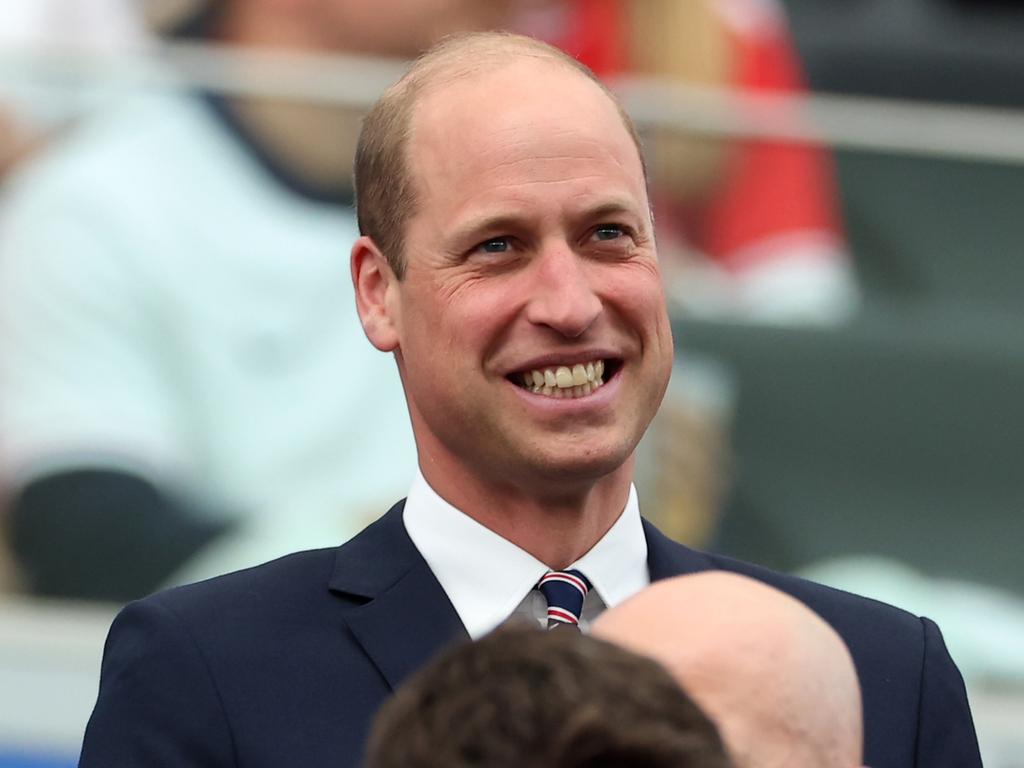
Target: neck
(557, 522)
(272, 26)
(316, 142)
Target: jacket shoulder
(834, 605)
(915, 705)
(284, 587)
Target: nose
(562, 296)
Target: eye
(495, 245)
(609, 232)
(496, 253)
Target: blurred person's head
(507, 229)
(777, 680)
(312, 140)
(524, 697)
(398, 28)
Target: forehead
(530, 122)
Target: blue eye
(608, 232)
(495, 245)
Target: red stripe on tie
(568, 578)
(559, 614)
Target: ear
(376, 289)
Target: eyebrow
(475, 227)
(505, 222)
(613, 208)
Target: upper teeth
(565, 377)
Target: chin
(582, 469)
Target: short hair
(525, 697)
(384, 190)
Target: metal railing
(868, 124)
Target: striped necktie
(565, 592)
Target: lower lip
(599, 399)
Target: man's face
(530, 258)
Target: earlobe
(375, 283)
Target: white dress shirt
(488, 578)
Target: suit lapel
(405, 616)
(667, 558)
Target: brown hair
(385, 192)
(525, 697)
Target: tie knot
(565, 592)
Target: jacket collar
(667, 558)
(374, 560)
(403, 616)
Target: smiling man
(524, 304)
(507, 260)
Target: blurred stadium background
(873, 440)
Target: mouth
(567, 381)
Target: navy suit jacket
(285, 664)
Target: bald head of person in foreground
(775, 678)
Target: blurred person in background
(775, 678)
(38, 105)
(34, 102)
(749, 228)
(183, 389)
(521, 697)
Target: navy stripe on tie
(565, 592)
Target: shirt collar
(486, 576)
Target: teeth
(564, 381)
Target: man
(776, 679)
(508, 262)
(520, 697)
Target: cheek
(445, 333)
(478, 309)
(636, 290)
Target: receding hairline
(386, 190)
(470, 54)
